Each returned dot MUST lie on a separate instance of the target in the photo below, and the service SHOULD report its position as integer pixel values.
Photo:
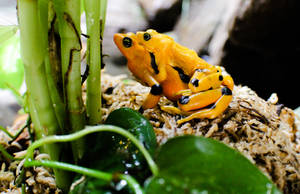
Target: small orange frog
(192, 68)
(177, 73)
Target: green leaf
(118, 153)
(6, 32)
(11, 66)
(113, 153)
(191, 164)
(136, 124)
(130, 120)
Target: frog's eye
(147, 36)
(127, 42)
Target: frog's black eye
(127, 42)
(147, 36)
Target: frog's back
(187, 59)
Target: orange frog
(195, 71)
(200, 89)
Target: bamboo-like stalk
(53, 70)
(33, 52)
(68, 13)
(93, 103)
(57, 100)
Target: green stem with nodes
(33, 53)
(52, 65)
(93, 103)
(68, 15)
(89, 130)
(54, 69)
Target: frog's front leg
(159, 66)
(154, 95)
(214, 110)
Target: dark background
(257, 41)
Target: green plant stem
(86, 171)
(93, 104)
(6, 132)
(5, 153)
(26, 125)
(88, 130)
(58, 104)
(16, 135)
(53, 70)
(71, 167)
(68, 14)
(33, 52)
(17, 94)
(133, 184)
(35, 119)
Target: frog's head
(128, 45)
(152, 40)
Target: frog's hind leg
(201, 82)
(189, 101)
(199, 100)
(173, 110)
(215, 110)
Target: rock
(262, 47)
(218, 39)
(161, 15)
(199, 21)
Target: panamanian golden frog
(172, 70)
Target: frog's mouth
(118, 40)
